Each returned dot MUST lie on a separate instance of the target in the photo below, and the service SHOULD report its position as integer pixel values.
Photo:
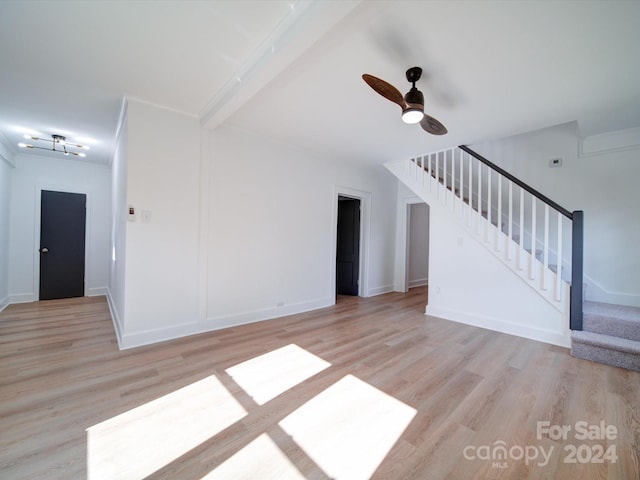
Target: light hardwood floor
(375, 389)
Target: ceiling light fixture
(415, 106)
(414, 111)
(56, 140)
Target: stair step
(538, 253)
(607, 349)
(608, 319)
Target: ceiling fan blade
(385, 89)
(432, 125)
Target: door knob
(44, 250)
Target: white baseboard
(96, 291)
(32, 297)
(124, 341)
(380, 290)
(226, 321)
(114, 318)
(146, 337)
(594, 292)
(22, 298)
(421, 282)
(553, 337)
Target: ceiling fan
(412, 103)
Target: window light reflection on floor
(349, 428)
(140, 441)
(267, 376)
(260, 459)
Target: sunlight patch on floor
(267, 376)
(349, 428)
(140, 441)
(260, 459)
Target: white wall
(469, 285)
(117, 253)
(271, 234)
(230, 229)
(6, 170)
(162, 184)
(418, 263)
(603, 185)
(33, 174)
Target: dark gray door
(62, 236)
(348, 246)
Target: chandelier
(58, 144)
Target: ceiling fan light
(412, 115)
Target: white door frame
(402, 242)
(365, 221)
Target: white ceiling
(290, 71)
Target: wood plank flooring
(376, 390)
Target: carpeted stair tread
(608, 341)
(614, 320)
(611, 310)
(616, 351)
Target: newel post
(577, 282)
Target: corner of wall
(594, 292)
(115, 318)
(4, 303)
(7, 154)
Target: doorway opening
(417, 271)
(348, 246)
(362, 198)
(413, 249)
(63, 221)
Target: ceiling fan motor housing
(414, 98)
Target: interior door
(348, 246)
(62, 244)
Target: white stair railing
(519, 225)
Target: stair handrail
(518, 182)
(577, 239)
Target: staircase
(610, 335)
(540, 242)
(526, 231)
